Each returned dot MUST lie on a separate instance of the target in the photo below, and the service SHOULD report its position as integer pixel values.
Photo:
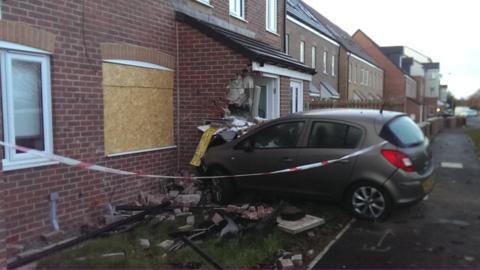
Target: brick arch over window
(24, 34)
(137, 53)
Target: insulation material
(202, 146)
(138, 108)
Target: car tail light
(398, 159)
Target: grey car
(399, 172)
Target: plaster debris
(190, 220)
(145, 243)
(166, 244)
(285, 263)
(301, 225)
(297, 260)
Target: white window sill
(25, 164)
(238, 17)
(272, 32)
(142, 151)
(204, 3)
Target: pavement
(440, 232)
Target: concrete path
(441, 232)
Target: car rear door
(327, 140)
(272, 148)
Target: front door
(296, 88)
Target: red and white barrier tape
(93, 167)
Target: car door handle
(344, 161)
(287, 159)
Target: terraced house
(399, 86)
(125, 84)
(344, 69)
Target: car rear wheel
(222, 189)
(368, 201)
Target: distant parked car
(370, 185)
(465, 111)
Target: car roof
(355, 115)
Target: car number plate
(428, 185)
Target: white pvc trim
(17, 165)
(267, 68)
(205, 3)
(364, 61)
(299, 23)
(17, 47)
(136, 64)
(142, 151)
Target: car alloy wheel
(369, 202)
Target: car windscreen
(402, 131)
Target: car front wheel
(222, 189)
(368, 201)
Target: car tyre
(222, 189)
(368, 201)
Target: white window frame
(355, 70)
(362, 81)
(237, 8)
(287, 44)
(205, 3)
(302, 51)
(12, 159)
(350, 72)
(333, 65)
(325, 57)
(297, 96)
(271, 13)
(367, 73)
(314, 57)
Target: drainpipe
(177, 75)
(284, 25)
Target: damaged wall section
(206, 66)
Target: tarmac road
(440, 232)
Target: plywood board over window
(138, 107)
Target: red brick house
(398, 85)
(123, 84)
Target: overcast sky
(446, 31)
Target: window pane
(353, 137)
(27, 103)
(279, 136)
(405, 131)
(327, 135)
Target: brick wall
(413, 109)
(205, 68)
(254, 17)
(286, 96)
(78, 112)
(394, 79)
(430, 106)
(296, 34)
(3, 230)
(343, 74)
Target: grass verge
(241, 251)
(475, 135)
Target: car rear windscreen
(403, 131)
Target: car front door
(272, 148)
(328, 140)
